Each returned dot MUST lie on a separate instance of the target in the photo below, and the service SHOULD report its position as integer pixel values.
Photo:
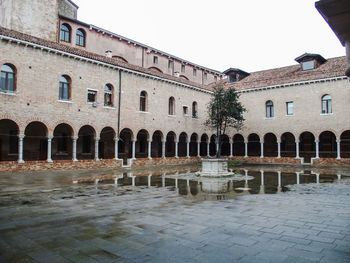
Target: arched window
(65, 33)
(171, 110)
(269, 109)
(143, 100)
(108, 95)
(194, 110)
(326, 104)
(7, 83)
(64, 88)
(80, 38)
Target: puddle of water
(33, 188)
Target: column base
(50, 161)
(21, 161)
(75, 160)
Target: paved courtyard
(43, 219)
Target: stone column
(317, 178)
(199, 149)
(231, 148)
(116, 150)
(338, 150)
(149, 180)
(20, 148)
(208, 148)
(279, 179)
(49, 149)
(278, 149)
(133, 155)
(262, 149)
(150, 149)
(317, 149)
(187, 149)
(96, 148)
(163, 149)
(176, 149)
(297, 149)
(74, 153)
(262, 177)
(245, 149)
(298, 177)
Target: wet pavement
(148, 216)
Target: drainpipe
(119, 101)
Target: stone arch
(328, 145)
(345, 144)
(270, 145)
(86, 143)
(35, 141)
(307, 145)
(155, 69)
(157, 139)
(106, 145)
(62, 142)
(288, 146)
(203, 145)
(254, 148)
(120, 59)
(193, 144)
(126, 137)
(170, 144)
(183, 138)
(142, 144)
(225, 145)
(238, 145)
(9, 131)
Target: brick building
(68, 89)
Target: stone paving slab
(93, 223)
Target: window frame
(62, 86)
(195, 110)
(183, 68)
(5, 77)
(143, 101)
(194, 72)
(287, 108)
(108, 92)
(80, 40)
(326, 104)
(171, 106)
(155, 59)
(205, 76)
(91, 91)
(66, 37)
(269, 109)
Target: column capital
(134, 140)
(261, 141)
(116, 139)
(338, 141)
(317, 141)
(49, 137)
(149, 140)
(97, 138)
(21, 136)
(278, 141)
(75, 137)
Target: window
(65, 33)
(182, 68)
(233, 78)
(91, 97)
(290, 108)
(205, 76)
(64, 88)
(326, 104)
(269, 109)
(194, 110)
(143, 100)
(215, 78)
(7, 83)
(155, 60)
(171, 110)
(108, 95)
(170, 64)
(308, 65)
(185, 110)
(194, 72)
(80, 38)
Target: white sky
(248, 34)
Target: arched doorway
(238, 145)
(62, 142)
(86, 143)
(288, 145)
(106, 145)
(307, 146)
(8, 140)
(203, 146)
(157, 144)
(254, 148)
(142, 144)
(345, 144)
(212, 145)
(35, 142)
(270, 145)
(225, 145)
(170, 144)
(125, 144)
(328, 145)
(182, 144)
(193, 144)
